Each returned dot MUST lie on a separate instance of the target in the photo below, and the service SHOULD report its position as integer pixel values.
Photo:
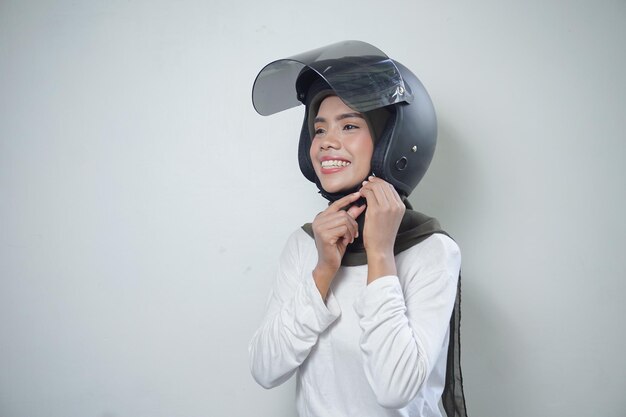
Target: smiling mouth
(334, 163)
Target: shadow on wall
(493, 374)
(455, 191)
(448, 190)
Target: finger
(381, 196)
(330, 225)
(367, 191)
(376, 180)
(333, 219)
(385, 192)
(379, 182)
(356, 211)
(392, 196)
(380, 188)
(351, 225)
(342, 233)
(343, 202)
(353, 229)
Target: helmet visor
(361, 75)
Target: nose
(330, 140)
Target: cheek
(363, 150)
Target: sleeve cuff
(325, 313)
(375, 294)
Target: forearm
(393, 358)
(323, 276)
(405, 320)
(286, 338)
(380, 263)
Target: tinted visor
(361, 75)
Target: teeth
(334, 163)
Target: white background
(143, 202)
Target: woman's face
(342, 146)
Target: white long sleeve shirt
(370, 350)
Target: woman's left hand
(384, 213)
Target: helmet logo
(399, 92)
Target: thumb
(355, 211)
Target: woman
(362, 304)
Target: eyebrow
(340, 117)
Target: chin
(334, 188)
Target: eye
(350, 127)
(319, 131)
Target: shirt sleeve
(404, 320)
(295, 317)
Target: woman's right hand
(334, 229)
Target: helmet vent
(401, 163)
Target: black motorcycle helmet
(366, 80)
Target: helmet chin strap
(332, 197)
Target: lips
(330, 165)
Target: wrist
(383, 254)
(380, 264)
(323, 276)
